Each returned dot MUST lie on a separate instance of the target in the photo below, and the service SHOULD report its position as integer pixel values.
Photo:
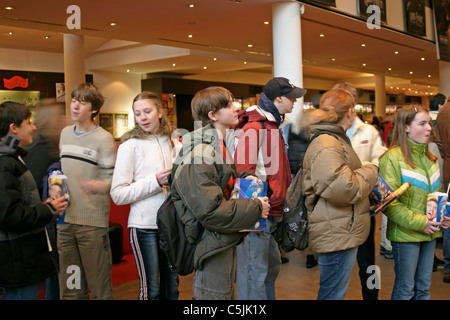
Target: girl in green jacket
(411, 233)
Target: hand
(432, 227)
(445, 223)
(163, 176)
(265, 207)
(59, 203)
(254, 178)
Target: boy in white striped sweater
(88, 155)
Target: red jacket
(263, 153)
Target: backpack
(292, 231)
(172, 239)
(173, 243)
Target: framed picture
(364, 4)
(120, 124)
(415, 17)
(106, 121)
(442, 27)
(114, 123)
(325, 2)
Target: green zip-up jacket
(407, 214)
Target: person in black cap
(263, 153)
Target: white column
(74, 66)
(380, 95)
(444, 77)
(287, 51)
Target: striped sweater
(89, 156)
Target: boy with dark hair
(203, 177)
(88, 154)
(25, 259)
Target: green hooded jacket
(199, 178)
(407, 214)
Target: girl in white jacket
(144, 161)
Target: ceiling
(221, 33)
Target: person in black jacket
(25, 259)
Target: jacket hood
(330, 127)
(135, 133)
(10, 146)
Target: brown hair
(209, 99)
(405, 116)
(89, 93)
(165, 127)
(333, 106)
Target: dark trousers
(366, 258)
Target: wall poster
(415, 17)
(364, 4)
(114, 123)
(442, 27)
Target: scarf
(267, 105)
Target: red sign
(14, 82)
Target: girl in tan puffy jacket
(336, 186)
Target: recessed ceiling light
(215, 59)
(128, 70)
(245, 62)
(266, 22)
(411, 72)
(333, 59)
(10, 33)
(364, 64)
(113, 24)
(429, 76)
(250, 45)
(396, 52)
(46, 37)
(321, 35)
(9, 8)
(174, 64)
(363, 44)
(191, 5)
(205, 67)
(423, 59)
(390, 69)
(190, 36)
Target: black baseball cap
(279, 86)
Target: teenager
(203, 176)
(259, 258)
(88, 153)
(412, 234)
(336, 187)
(25, 258)
(143, 163)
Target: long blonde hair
(165, 127)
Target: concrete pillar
(287, 50)
(74, 66)
(380, 95)
(444, 77)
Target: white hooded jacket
(134, 180)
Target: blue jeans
(446, 250)
(23, 293)
(413, 269)
(156, 280)
(335, 273)
(258, 265)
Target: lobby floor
(296, 282)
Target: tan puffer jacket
(336, 186)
